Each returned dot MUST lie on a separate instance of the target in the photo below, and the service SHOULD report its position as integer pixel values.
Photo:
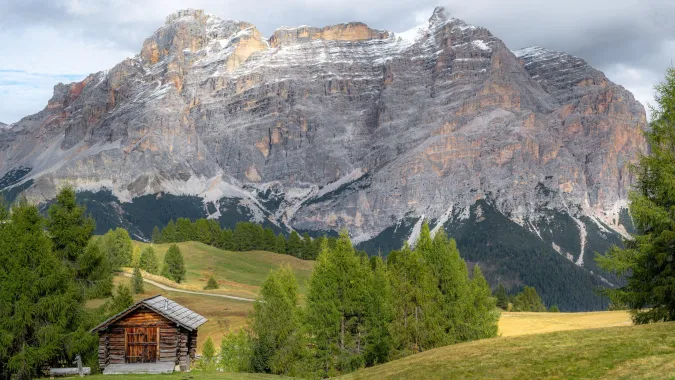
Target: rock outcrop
(342, 126)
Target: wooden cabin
(153, 330)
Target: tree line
(361, 311)
(246, 236)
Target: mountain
(521, 156)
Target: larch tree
(481, 314)
(337, 307)
(148, 260)
(277, 339)
(174, 264)
(648, 260)
(417, 323)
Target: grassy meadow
(530, 345)
(626, 352)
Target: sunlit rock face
(340, 126)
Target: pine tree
(481, 315)
(148, 260)
(41, 304)
(280, 244)
(71, 231)
(553, 309)
(137, 281)
(156, 236)
(648, 259)
(174, 265)
(294, 245)
(277, 345)
(211, 284)
(337, 298)
(417, 323)
(116, 245)
(502, 297)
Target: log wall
(176, 345)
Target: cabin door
(142, 344)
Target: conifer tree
(417, 323)
(280, 244)
(502, 297)
(337, 307)
(243, 237)
(116, 245)
(294, 245)
(269, 240)
(277, 345)
(122, 300)
(41, 306)
(185, 230)
(211, 284)
(69, 228)
(202, 231)
(71, 231)
(169, 233)
(307, 248)
(528, 300)
(481, 315)
(553, 309)
(156, 235)
(137, 281)
(148, 260)
(226, 240)
(174, 265)
(378, 316)
(449, 270)
(648, 260)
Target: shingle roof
(165, 307)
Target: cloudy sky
(44, 42)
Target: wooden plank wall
(111, 341)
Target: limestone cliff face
(342, 126)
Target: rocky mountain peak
(342, 126)
(439, 16)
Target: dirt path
(162, 286)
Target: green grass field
(630, 352)
(238, 273)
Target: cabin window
(141, 344)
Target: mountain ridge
(318, 129)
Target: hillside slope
(635, 352)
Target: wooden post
(78, 360)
